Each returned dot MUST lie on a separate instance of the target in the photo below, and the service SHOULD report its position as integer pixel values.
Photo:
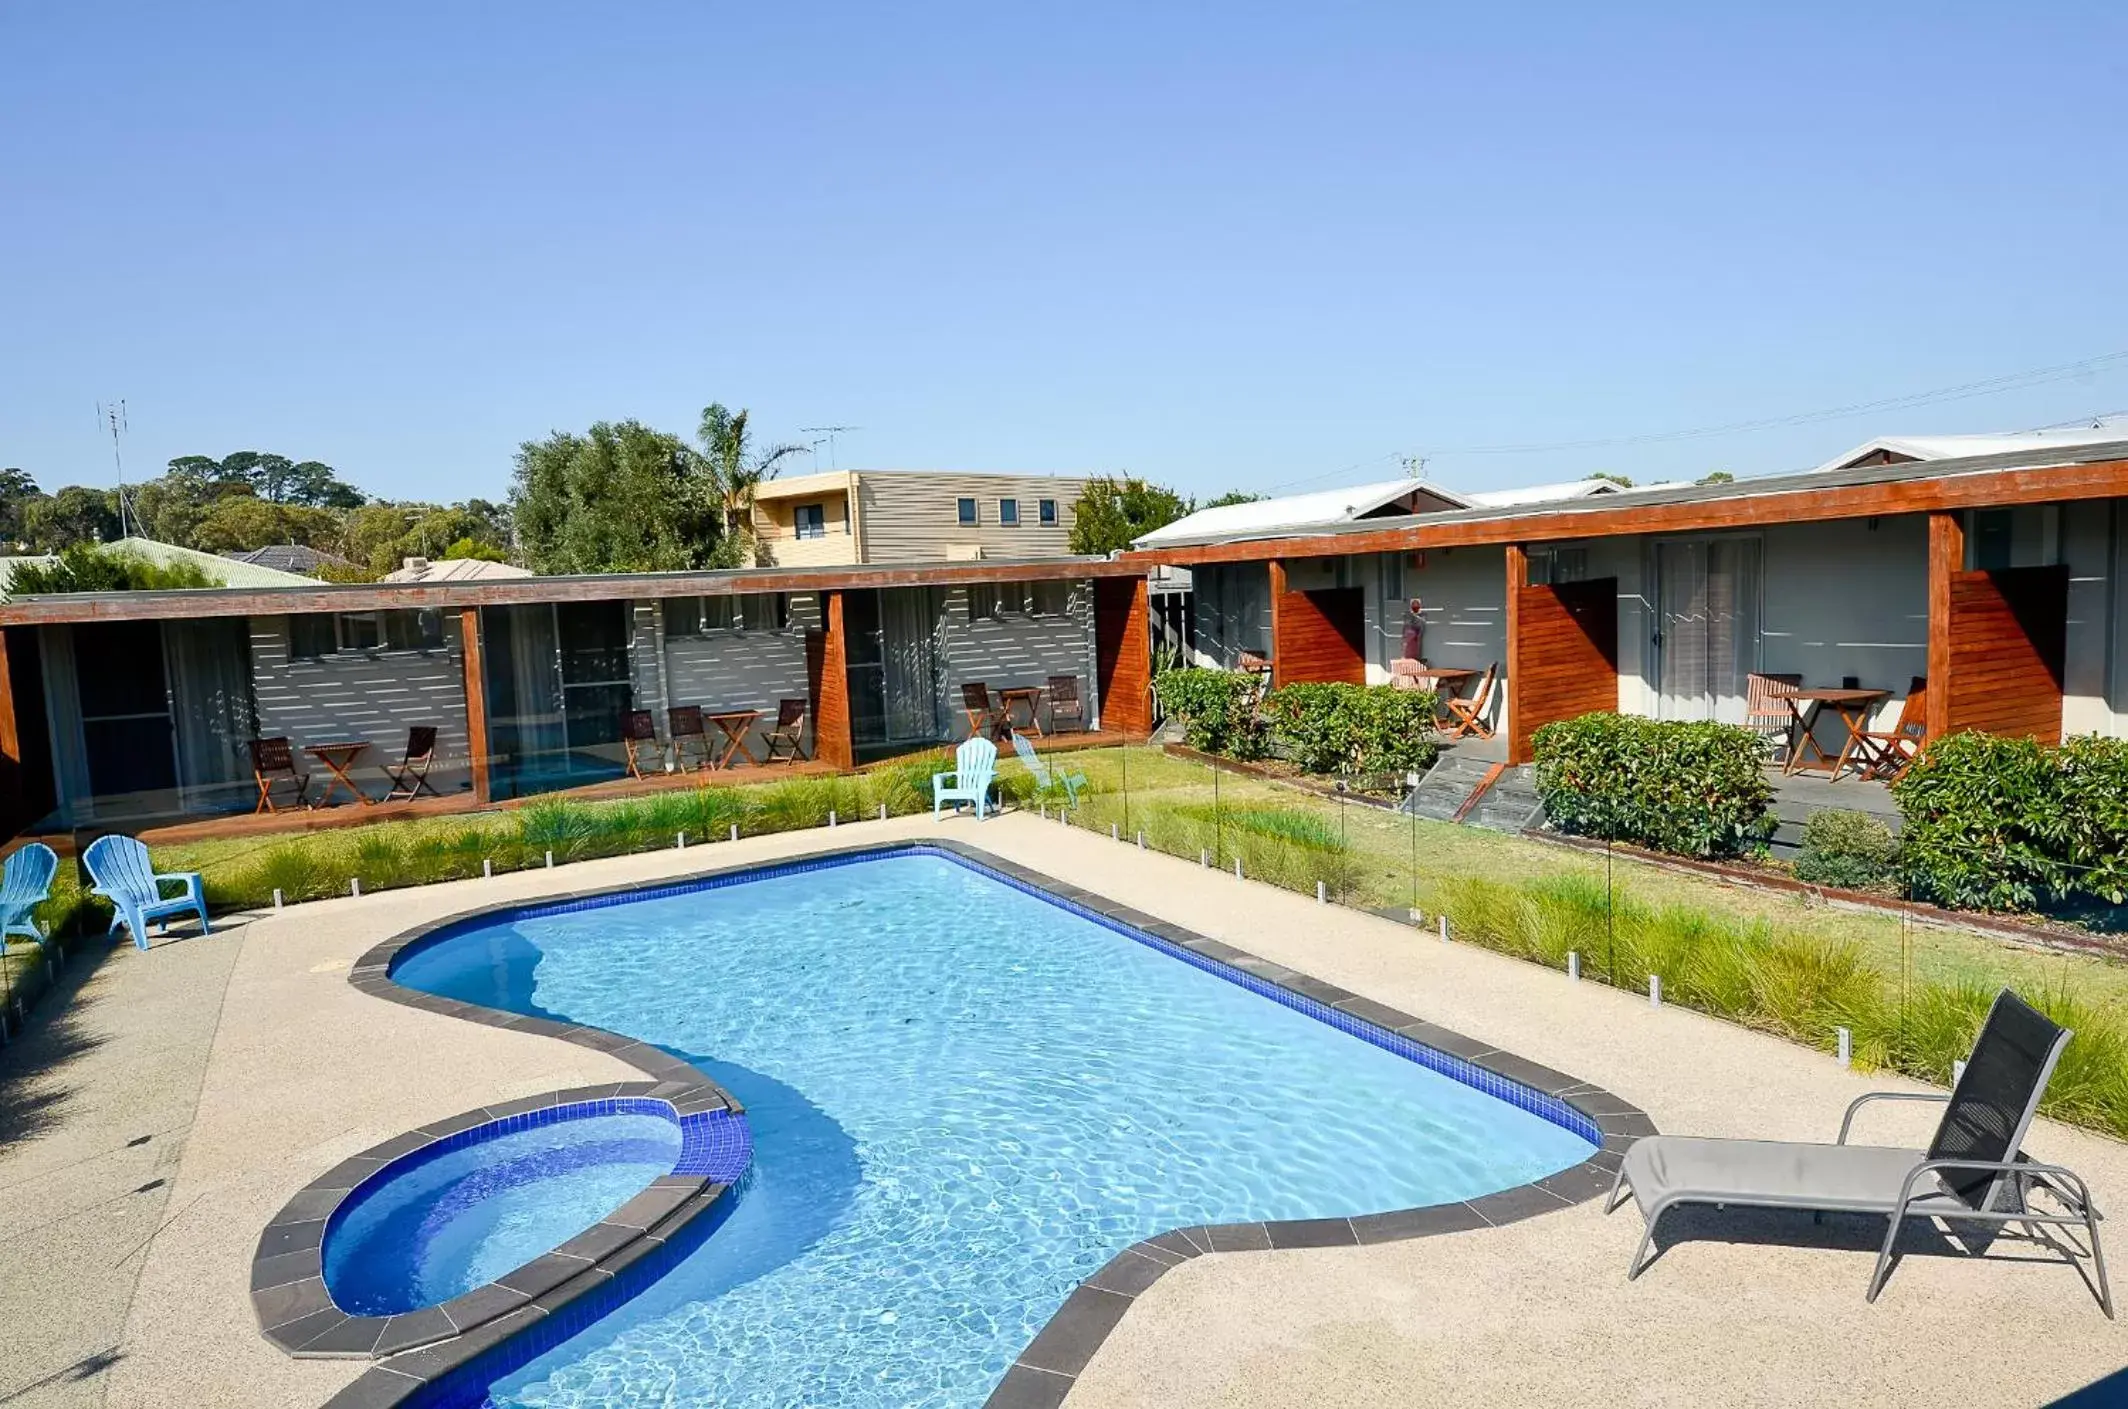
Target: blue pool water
(964, 1100)
(433, 1228)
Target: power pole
(113, 414)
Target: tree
(273, 478)
(739, 471)
(238, 523)
(17, 491)
(1114, 510)
(1620, 480)
(87, 567)
(1716, 477)
(76, 514)
(619, 498)
(1232, 496)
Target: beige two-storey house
(913, 516)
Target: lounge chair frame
(1924, 1192)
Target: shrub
(2010, 824)
(90, 567)
(1851, 850)
(1216, 708)
(1331, 727)
(1687, 788)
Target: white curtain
(909, 620)
(210, 695)
(1709, 620)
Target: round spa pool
(441, 1222)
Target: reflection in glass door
(558, 687)
(1707, 626)
(127, 734)
(909, 642)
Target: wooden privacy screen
(1319, 635)
(2007, 636)
(827, 679)
(1562, 657)
(1123, 654)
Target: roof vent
(416, 565)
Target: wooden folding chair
(411, 778)
(983, 716)
(640, 733)
(1886, 753)
(273, 762)
(788, 732)
(689, 736)
(1467, 717)
(1766, 708)
(1064, 700)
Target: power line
(2013, 381)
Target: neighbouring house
(453, 570)
(125, 708)
(847, 517)
(295, 558)
(2001, 578)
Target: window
(810, 520)
(1550, 566)
(1392, 577)
(748, 611)
(1009, 512)
(312, 636)
(1994, 538)
(967, 513)
(983, 604)
(1049, 513)
(1049, 599)
(315, 635)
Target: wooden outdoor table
(1852, 707)
(338, 757)
(1028, 695)
(1443, 677)
(735, 724)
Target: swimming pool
(964, 1098)
(432, 1228)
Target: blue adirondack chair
(25, 885)
(974, 770)
(125, 877)
(1046, 781)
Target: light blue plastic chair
(25, 885)
(974, 770)
(1046, 781)
(125, 877)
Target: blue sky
(1218, 245)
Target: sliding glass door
(558, 688)
(1707, 626)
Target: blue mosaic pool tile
(717, 1145)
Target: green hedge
(1341, 728)
(1686, 788)
(1850, 850)
(2013, 824)
(1216, 708)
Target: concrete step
(1446, 787)
(1510, 805)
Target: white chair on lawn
(974, 771)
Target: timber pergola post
(1946, 558)
(476, 702)
(1277, 572)
(1511, 688)
(828, 668)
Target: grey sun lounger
(1973, 1170)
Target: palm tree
(737, 471)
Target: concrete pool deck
(299, 1070)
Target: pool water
(964, 1099)
(431, 1229)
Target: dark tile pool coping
(424, 1355)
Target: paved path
(96, 1098)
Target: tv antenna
(113, 414)
(830, 432)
